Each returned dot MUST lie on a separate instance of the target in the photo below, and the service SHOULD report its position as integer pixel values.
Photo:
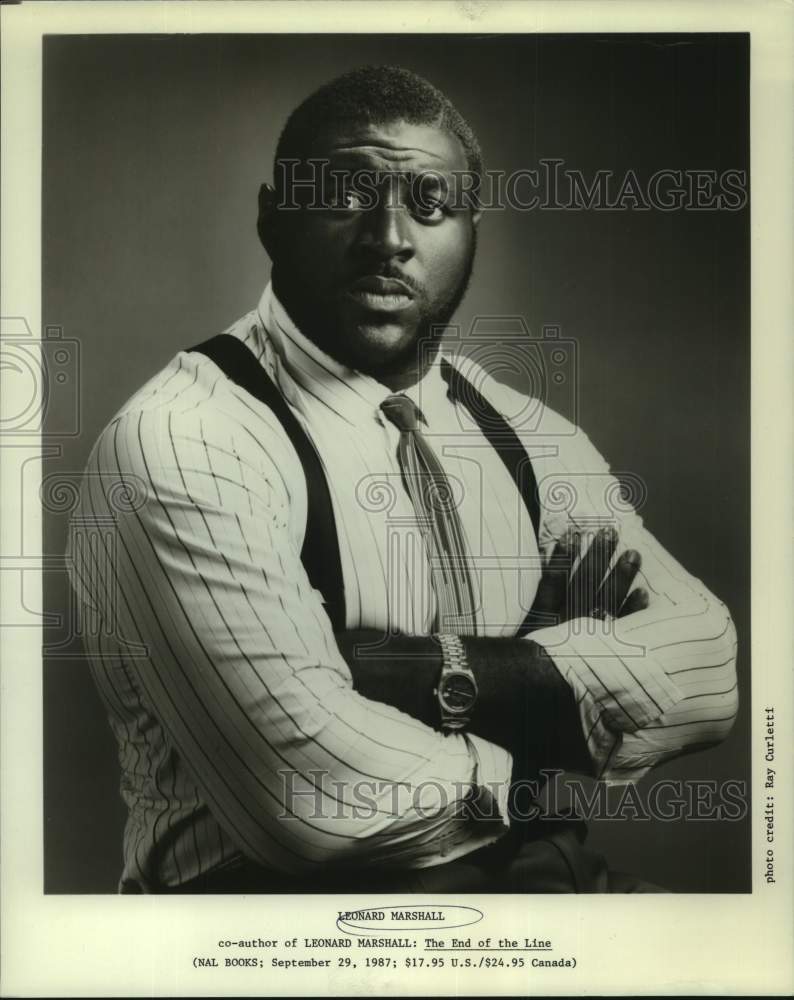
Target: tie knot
(402, 412)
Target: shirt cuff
(619, 688)
(628, 760)
(493, 767)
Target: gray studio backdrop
(154, 148)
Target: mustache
(387, 271)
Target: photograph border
(684, 944)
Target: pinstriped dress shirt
(238, 727)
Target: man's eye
(429, 209)
(347, 200)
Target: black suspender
(320, 552)
(500, 435)
(507, 445)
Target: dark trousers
(554, 860)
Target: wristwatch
(457, 685)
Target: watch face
(458, 692)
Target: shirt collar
(349, 393)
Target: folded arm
(524, 704)
(660, 682)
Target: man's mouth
(381, 294)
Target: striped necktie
(434, 503)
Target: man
(333, 546)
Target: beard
(420, 353)
(368, 353)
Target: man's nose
(385, 232)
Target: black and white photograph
(387, 424)
(498, 526)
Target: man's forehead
(389, 145)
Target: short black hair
(376, 95)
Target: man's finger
(637, 600)
(549, 604)
(590, 573)
(619, 582)
(564, 554)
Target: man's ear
(476, 215)
(266, 223)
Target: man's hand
(592, 591)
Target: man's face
(369, 274)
